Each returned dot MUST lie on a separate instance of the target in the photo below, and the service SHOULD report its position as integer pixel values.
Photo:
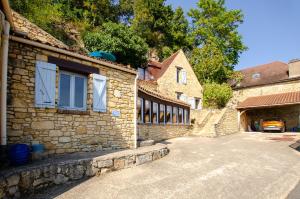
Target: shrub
(216, 95)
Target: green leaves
(216, 95)
(119, 40)
(218, 43)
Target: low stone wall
(228, 122)
(25, 180)
(162, 132)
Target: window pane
(147, 111)
(180, 116)
(155, 113)
(79, 92)
(186, 116)
(64, 91)
(140, 110)
(169, 114)
(161, 113)
(175, 114)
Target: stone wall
(15, 183)
(64, 132)
(228, 123)
(162, 132)
(167, 83)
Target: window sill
(72, 112)
(153, 124)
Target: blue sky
(271, 29)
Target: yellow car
(273, 124)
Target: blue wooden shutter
(99, 93)
(45, 79)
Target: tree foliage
(120, 40)
(216, 95)
(215, 32)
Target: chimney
(152, 55)
(294, 68)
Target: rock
(81, 130)
(60, 179)
(12, 190)
(91, 171)
(64, 139)
(42, 125)
(105, 170)
(146, 143)
(156, 155)
(119, 164)
(26, 180)
(55, 133)
(76, 172)
(105, 163)
(13, 180)
(129, 161)
(142, 159)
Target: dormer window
(256, 76)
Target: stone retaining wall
(17, 182)
(161, 132)
(228, 122)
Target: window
(192, 102)
(186, 116)
(140, 111)
(154, 113)
(179, 95)
(141, 73)
(162, 113)
(169, 115)
(72, 91)
(197, 103)
(175, 115)
(178, 75)
(180, 116)
(147, 114)
(256, 76)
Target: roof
(143, 86)
(25, 30)
(33, 32)
(148, 84)
(268, 73)
(157, 69)
(271, 100)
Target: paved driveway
(237, 166)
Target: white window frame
(171, 115)
(178, 74)
(164, 122)
(157, 112)
(72, 91)
(142, 110)
(150, 112)
(182, 116)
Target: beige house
(175, 77)
(268, 91)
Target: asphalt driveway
(237, 166)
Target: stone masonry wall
(64, 133)
(162, 132)
(18, 182)
(228, 123)
(167, 83)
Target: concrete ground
(237, 166)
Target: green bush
(216, 95)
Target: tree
(215, 33)
(119, 40)
(216, 95)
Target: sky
(271, 29)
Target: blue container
(103, 55)
(37, 148)
(19, 154)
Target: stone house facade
(67, 101)
(268, 91)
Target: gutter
(8, 13)
(4, 58)
(66, 52)
(135, 112)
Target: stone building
(65, 100)
(268, 91)
(169, 96)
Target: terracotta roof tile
(143, 87)
(271, 100)
(268, 74)
(157, 69)
(148, 84)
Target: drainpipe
(135, 111)
(4, 57)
